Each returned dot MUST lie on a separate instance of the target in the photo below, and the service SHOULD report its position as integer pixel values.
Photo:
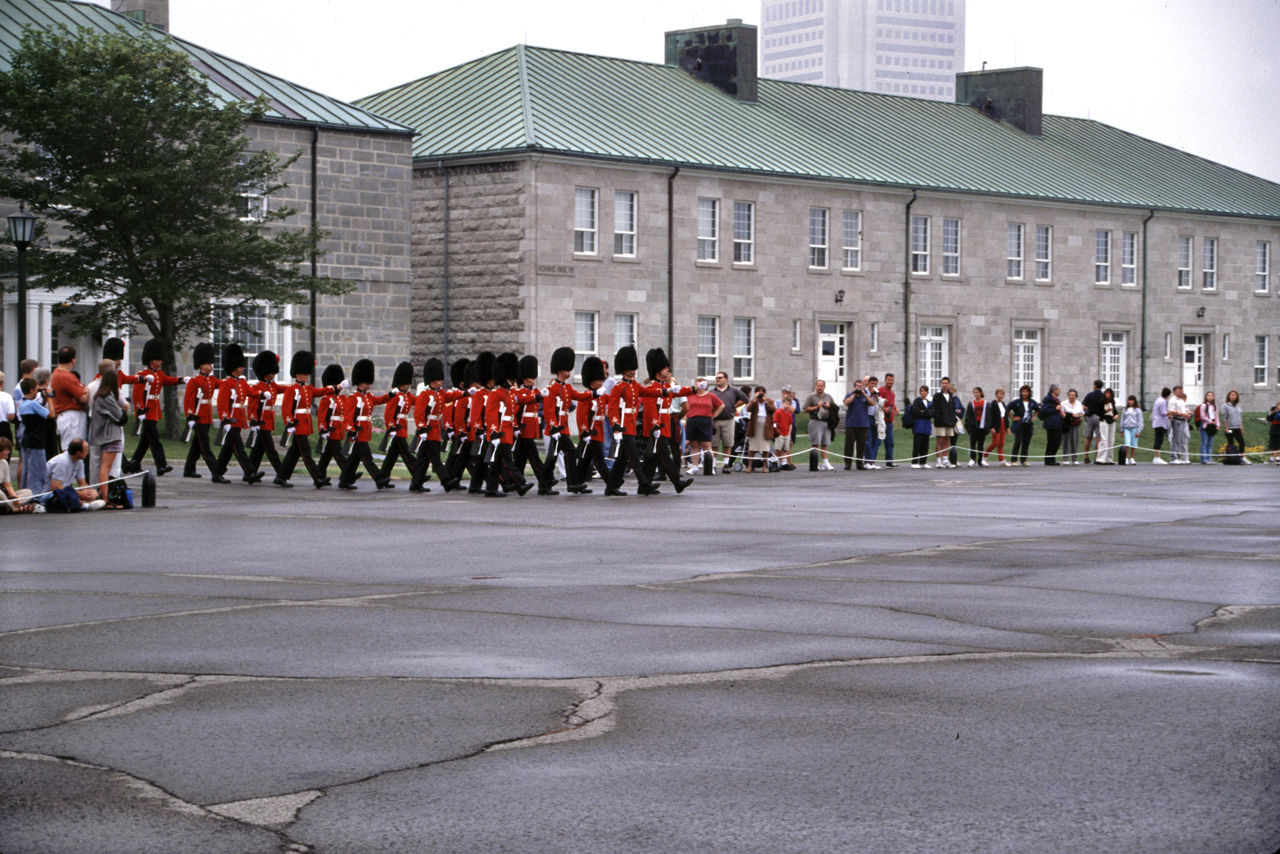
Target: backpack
(909, 418)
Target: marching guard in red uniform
(624, 412)
(233, 415)
(197, 404)
(329, 423)
(593, 420)
(428, 417)
(396, 417)
(147, 387)
(262, 415)
(455, 420)
(529, 428)
(559, 398)
(357, 419)
(501, 406)
(295, 409)
(657, 419)
(477, 418)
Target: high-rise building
(900, 47)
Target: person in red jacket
(501, 408)
(559, 399)
(233, 415)
(529, 428)
(396, 417)
(593, 422)
(657, 419)
(455, 418)
(197, 404)
(261, 410)
(477, 417)
(357, 419)
(295, 409)
(624, 412)
(147, 386)
(429, 418)
(329, 422)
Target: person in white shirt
(8, 413)
(1179, 427)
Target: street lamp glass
(22, 227)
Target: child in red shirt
(783, 418)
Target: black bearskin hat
(265, 364)
(562, 359)
(304, 362)
(529, 368)
(362, 372)
(471, 374)
(232, 358)
(505, 368)
(333, 375)
(113, 349)
(484, 367)
(655, 360)
(626, 360)
(433, 371)
(202, 355)
(403, 375)
(152, 351)
(458, 373)
(592, 371)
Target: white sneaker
(1248, 461)
(1159, 462)
(972, 463)
(826, 466)
(693, 470)
(93, 505)
(915, 465)
(39, 508)
(1006, 464)
(873, 466)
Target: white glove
(148, 379)
(345, 384)
(267, 398)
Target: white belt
(362, 417)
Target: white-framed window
(708, 346)
(624, 223)
(1226, 346)
(934, 355)
(254, 326)
(708, 229)
(1014, 250)
(1210, 255)
(920, 245)
(852, 240)
(585, 207)
(795, 336)
(818, 231)
(875, 336)
(1102, 257)
(1184, 263)
(251, 206)
(1026, 360)
(950, 247)
(1114, 353)
(1129, 259)
(1168, 346)
(586, 340)
(744, 348)
(1262, 282)
(744, 232)
(624, 330)
(1260, 359)
(1044, 253)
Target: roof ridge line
(526, 102)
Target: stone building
(782, 231)
(352, 180)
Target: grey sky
(1200, 75)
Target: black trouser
(479, 468)
(264, 444)
(590, 453)
(526, 451)
(855, 447)
(399, 450)
(233, 444)
(503, 467)
(1161, 432)
(150, 442)
(1236, 436)
(628, 453)
(331, 449)
(429, 457)
(1021, 442)
(664, 457)
(200, 448)
(459, 455)
(920, 448)
(564, 445)
(360, 453)
(1052, 444)
(977, 442)
(300, 448)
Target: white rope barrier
(26, 498)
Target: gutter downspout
(445, 307)
(906, 297)
(315, 222)
(1142, 370)
(671, 262)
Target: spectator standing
(1072, 418)
(70, 398)
(1207, 421)
(25, 369)
(760, 432)
(820, 405)
(1273, 438)
(1092, 422)
(975, 417)
(997, 425)
(944, 421)
(889, 406)
(921, 411)
(702, 409)
(1107, 429)
(1022, 421)
(784, 426)
(1051, 415)
(35, 418)
(106, 427)
(857, 420)
(875, 433)
(1160, 424)
(1179, 427)
(1131, 424)
(1233, 423)
(723, 424)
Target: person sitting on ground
(66, 470)
(10, 502)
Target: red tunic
(459, 414)
(432, 410)
(624, 404)
(555, 405)
(477, 414)
(329, 416)
(295, 408)
(396, 416)
(146, 395)
(658, 409)
(501, 409)
(357, 413)
(198, 400)
(262, 404)
(593, 416)
(233, 394)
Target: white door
(832, 347)
(1193, 368)
(934, 355)
(1113, 364)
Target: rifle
(146, 405)
(491, 446)
(191, 425)
(421, 435)
(257, 423)
(393, 428)
(349, 445)
(226, 428)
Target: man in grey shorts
(1093, 403)
(722, 424)
(818, 405)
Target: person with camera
(723, 425)
(820, 407)
(858, 419)
(34, 412)
(759, 429)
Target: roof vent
(724, 56)
(1013, 95)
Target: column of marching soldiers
(484, 428)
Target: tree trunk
(173, 419)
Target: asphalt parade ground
(1081, 659)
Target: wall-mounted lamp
(840, 297)
(1200, 312)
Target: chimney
(724, 56)
(1013, 95)
(153, 12)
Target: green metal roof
(227, 79)
(528, 99)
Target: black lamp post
(22, 227)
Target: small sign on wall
(555, 269)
